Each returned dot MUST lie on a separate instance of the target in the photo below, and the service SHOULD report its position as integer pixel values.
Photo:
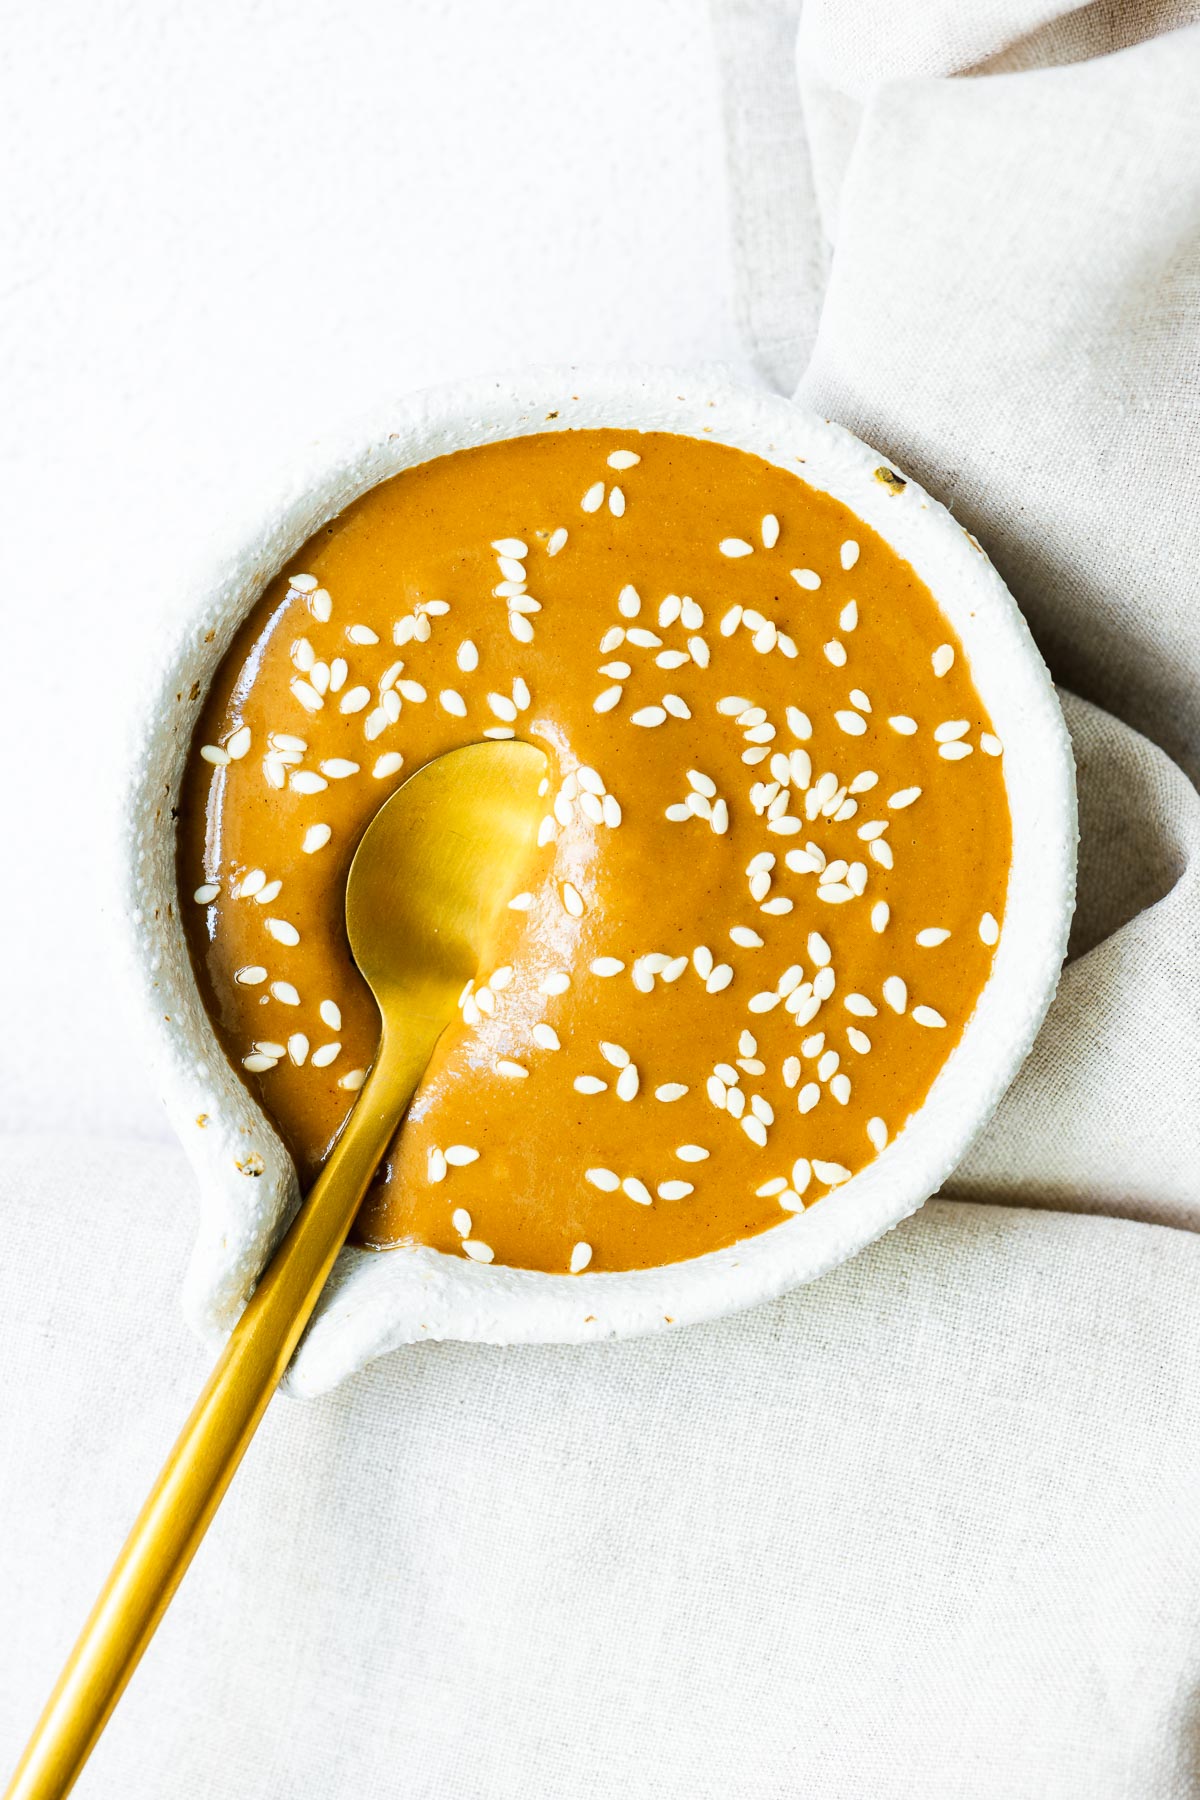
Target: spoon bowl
(433, 873)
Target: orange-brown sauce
(300, 713)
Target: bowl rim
(377, 1301)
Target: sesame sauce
(771, 869)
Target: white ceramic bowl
(378, 1301)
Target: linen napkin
(923, 1531)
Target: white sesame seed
(860, 1006)
(745, 938)
(830, 1172)
(755, 1130)
(849, 553)
(520, 628)
(943, 659)
(593, 500)
(589, 1084)
(604, 1179)
(316, 838)
(808, 1097)
(989, 930)
(719, 980)
(931, 937)
(302, 584)
(239, 743)
(557, 539)
(353, 1081)
(852, 723)
(282, 931)
(637, 1191)
(285, 993)
(572, 900)
(827, 1065)
(581, 1256)
(692, 1153)
(557, 982)
(669, 1091)
(674, 1190)
(616, 502)
(776, 908)
(895, 993)
(648, 716)
(435, 1164)
(835, 653)
(545, 1037)
(991, 746)
(339, 768)
(607, 965)
(763, 1002)
(839, 1087)
(515, 1071)
(676, 706)
(624, 459)
(769, 1189)
(460, 1218)
(769, 530)
(881, 912)
(903, 798)
(252, 975)
(208, 892)
(321, 606)
(521, 903)
(735, 547)
(213, 753)
(615, 1054)
(858, 1040)
(327, 1053)
(459, 1155)
(927, 1015)
(258, 1064)
(305, 693)
(477, 1251)
(955, 752)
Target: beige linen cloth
(929, 1529)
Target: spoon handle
(206, 1455)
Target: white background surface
(235, 227)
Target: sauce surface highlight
(770, 874)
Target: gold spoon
(426, 891)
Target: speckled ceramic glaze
(378, 1301)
